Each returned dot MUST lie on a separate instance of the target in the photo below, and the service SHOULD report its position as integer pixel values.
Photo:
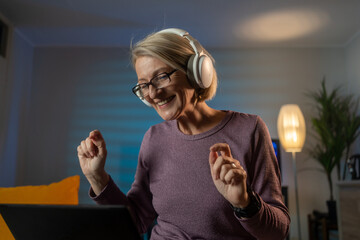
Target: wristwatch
(251, 209)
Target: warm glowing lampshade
(291, 128)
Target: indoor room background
(53, 95)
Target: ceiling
(221, 23)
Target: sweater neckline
(208, 133)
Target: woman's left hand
(228, 175)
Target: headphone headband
(176, 31)
(182, 33)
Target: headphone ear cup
(206, 71)
(191, 71)
(200, 71)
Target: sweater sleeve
(139, 198)
(272, 221)
(110, 195)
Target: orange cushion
(64, 192)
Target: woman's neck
(200, 119)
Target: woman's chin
(166, 115)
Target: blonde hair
(174, 51)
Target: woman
(202, 173)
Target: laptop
(27, 222)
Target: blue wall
(17, 100)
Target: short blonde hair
(174, 51)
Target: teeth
(165, 101)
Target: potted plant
(335, 125)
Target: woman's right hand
(92, 157)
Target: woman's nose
(152, 91)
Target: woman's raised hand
(228, 175)
(92, 157)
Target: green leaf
(336, 126)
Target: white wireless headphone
(199, 67)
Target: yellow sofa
(65, 192)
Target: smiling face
(172, 101)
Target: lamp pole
(296, 194)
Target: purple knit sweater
(173, 183)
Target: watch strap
(251, 209)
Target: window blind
(104, 101)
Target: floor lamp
(292, 132)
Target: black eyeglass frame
(139, 86)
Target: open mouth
(163, 102)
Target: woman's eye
(161, 77)
(142, 86)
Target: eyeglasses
(159, 81)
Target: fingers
(223, 148)
(212, 157)
(98, 140)
(233, 175)
(92, 146)
(80, 151)
(226, 169)
(96, 137)
(221, 166)
(86, 148)
(229, 177)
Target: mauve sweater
(173, 183)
